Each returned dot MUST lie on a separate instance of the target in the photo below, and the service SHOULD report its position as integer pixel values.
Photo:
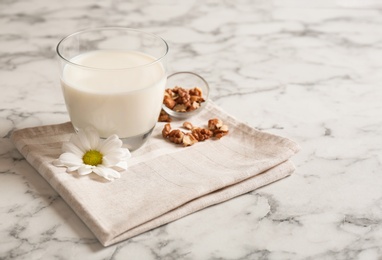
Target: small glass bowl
(187, 80)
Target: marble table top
(307, 70)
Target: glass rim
(166, 48)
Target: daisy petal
(108, 161)
(126, 152)
(107, 173)
(72, 148)
(113, 159)
(85, 169)
(75, 140)
(70, 159)
(122, 165)
(87, 139)
(73, 168)
(93, 137)
(57, 162)
(84, 140)
(111, 144)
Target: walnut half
(217, 127)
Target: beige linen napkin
(164, 181)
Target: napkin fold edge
(272, 175)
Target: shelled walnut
(188, 125)
(183, 100)
(166, 130)
(201, 134)
(216, 129)
(177, 136)
(164, 117)
(222, 131)
(189, 139)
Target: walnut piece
(164, 117)
(188, 125)
(183, 96)
(169, 102)
(189, 139)
(214, 124)
(224, 128)
(201, 134)
(166, 130)
(195, 105)
(218, 129)
(196, 92)
(220, 133)
(180, 108)
(197, 99)
(183, 100)
(176, 136)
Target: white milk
(115, 97)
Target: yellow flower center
(92, 157)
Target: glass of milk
(113, 79)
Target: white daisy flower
(86, 153)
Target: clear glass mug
(113, 79)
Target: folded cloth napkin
(164, 181)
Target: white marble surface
(307, 70)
